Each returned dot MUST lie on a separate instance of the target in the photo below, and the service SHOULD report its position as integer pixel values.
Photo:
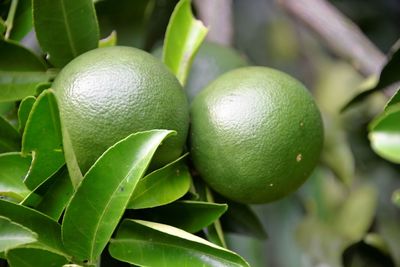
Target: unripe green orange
(108, 93)
(256, 134)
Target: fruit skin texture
(108, 93)
(211, 61)
(256, 134)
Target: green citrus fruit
(256, 134)
(211, 61)
(108, 93)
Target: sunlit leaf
(101, 198)
(48, 157)
(161, 186)
(24, 109)
(137, 242)
(384, 135)
(13, 234)
(31, 257)
(65, 29)
(13, 168)
(48, 231)
(182, 40)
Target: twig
(10, 18)
(340, 34)
(217, 16)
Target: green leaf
(102, 196)
(132, 24)
(9, 137)
(30, 257)
(384, 134)
(182, 40)
(197, 214)
(65, 28)
(74, 171)
(241, 219)
(162, 186)
(13, 234)
(20, 71)
(23, 21)
(110, 40)
(13, 168)
(393, 101)
(48, 157)
(138, 242)
(388, 76)
(48, 230)
(24, 109)
(213, 232)
(52, 196)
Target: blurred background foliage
(343, 215)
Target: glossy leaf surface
(13, 168)
(52, 196)
(20, 71)
(91, 216)
(30, 257)
(48, 231)
(190, 216)
(137, 242)
(65, 28)
(42, 137)
(24, 110)
(13, 234)
(385, 135)
(183, 38)
(161, 186)
(388, 75)
(10, 139)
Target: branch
(218, 17)
(340, 34)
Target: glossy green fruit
(256, 134)
(108, 93)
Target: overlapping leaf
(137, 242)
(183, 38)
(161, 186)
(384, 134)
(20, 72)
(65, 28)
(13, 168)
(52, 196)
(42, 137)
(190, 216)
(31, 257)
(13, 234)
(102, 196)
(48, 231)
(10, 139)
